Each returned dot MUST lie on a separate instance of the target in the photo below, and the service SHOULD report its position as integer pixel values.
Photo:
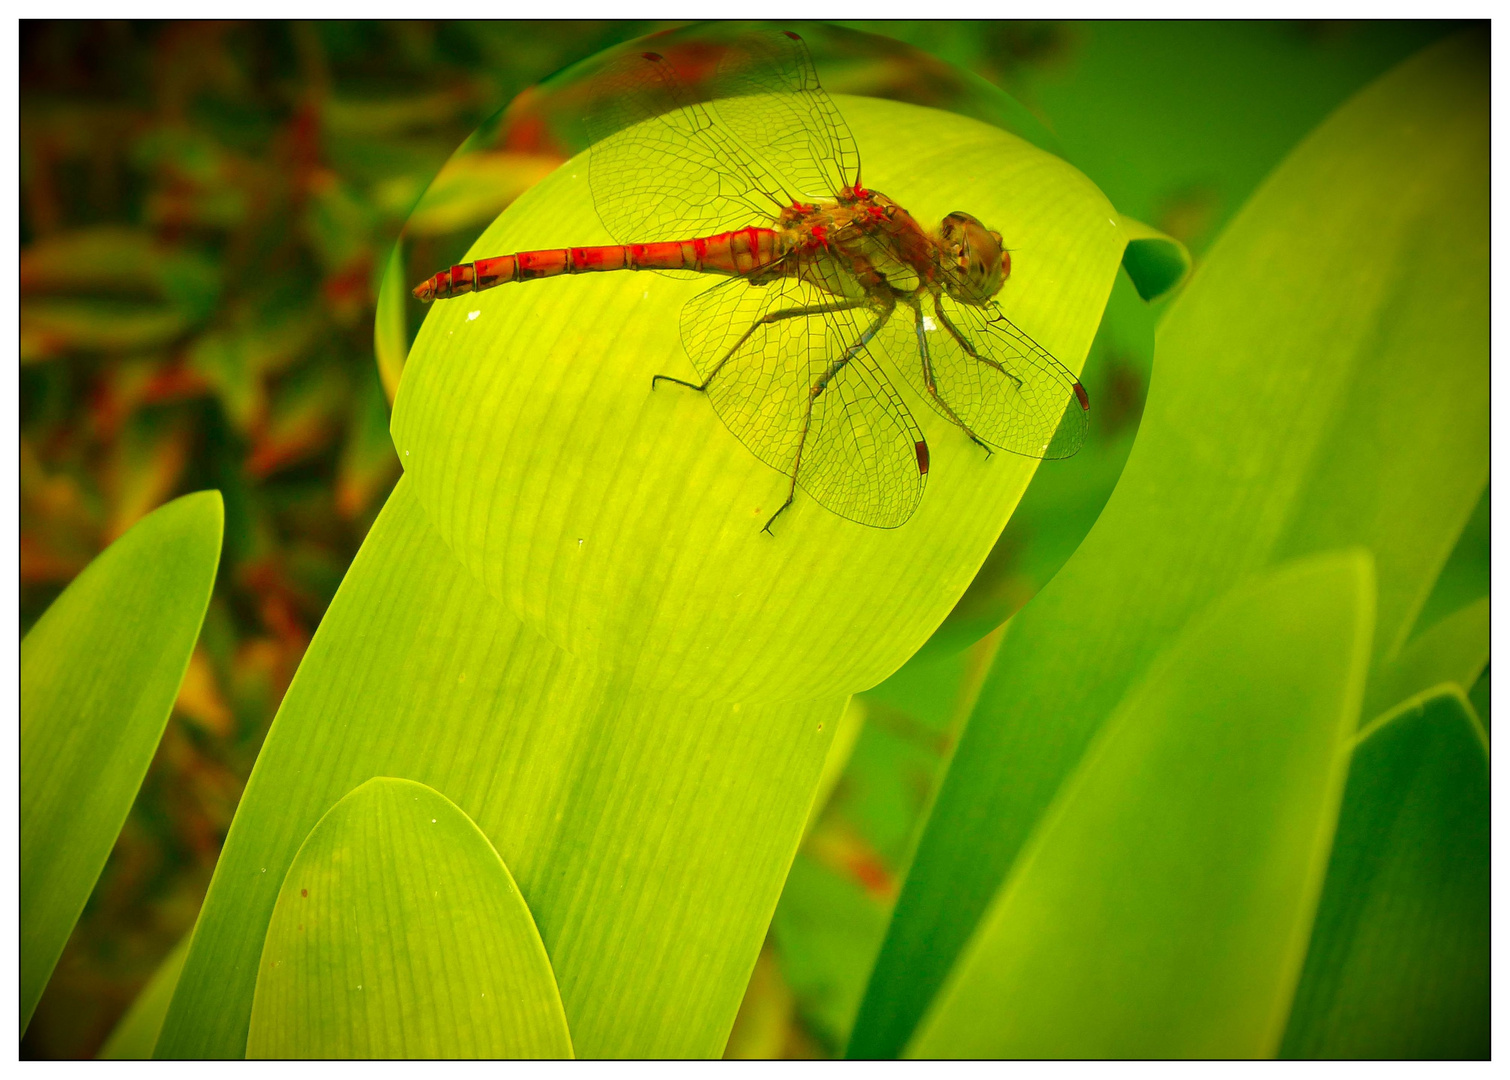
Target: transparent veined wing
(763, 350)
(1001, 383)
(662, 166)
(767, 92)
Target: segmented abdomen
(739, 253)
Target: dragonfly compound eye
(980, 258)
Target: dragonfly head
(978, 263)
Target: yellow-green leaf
(399, 933)
(624, 522)
(99, 672)
(567, 619)
(1161, 909)
(649, 832)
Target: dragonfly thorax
(883, 250)
(964, 257)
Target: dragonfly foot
(982, 445)
(679, 382)
(766, 528)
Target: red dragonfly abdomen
(739, 254)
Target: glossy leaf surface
(1399, 961)
(1161, 909)
(539, 450)
(399, 933)
(567, 620)
(99, 672)
(649, 833)
(1322, 382)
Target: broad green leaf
(1455, 650)
(1162, 907)
(1399, 960)
(1322, 382)
(567, 619)
(648, 832)
(529, 428)
(99, 672)
(136, 1032)
(399, 933)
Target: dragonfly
(825, 284)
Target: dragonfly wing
(762, 350)
(768, 94)
(866, 459)
(661, 167)
(999, 381)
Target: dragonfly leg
(812, 399)
(931, 384)
(764, 320)
(964, 343)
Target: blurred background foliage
(206, 213)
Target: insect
(823, 278)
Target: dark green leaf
(1162, 907)
(1399, 959)
(1455, 650)
(1322, 382)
